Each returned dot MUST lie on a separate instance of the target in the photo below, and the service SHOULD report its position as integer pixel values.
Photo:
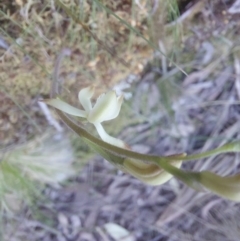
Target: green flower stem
(114, 154)
(111, 148)
(230, 147)
(118, 155)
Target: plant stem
(230, 147)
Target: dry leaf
(118, 232)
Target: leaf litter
(202, 114)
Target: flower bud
(148, 173)
(227, 187)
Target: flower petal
(106, 108)
(85, 96)
(107, 138)
(65, 107)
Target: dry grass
(168, 113)
(34, 33)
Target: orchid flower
(107, 107)
(153, 170)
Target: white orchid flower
(107, 107)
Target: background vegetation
(177, 64)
